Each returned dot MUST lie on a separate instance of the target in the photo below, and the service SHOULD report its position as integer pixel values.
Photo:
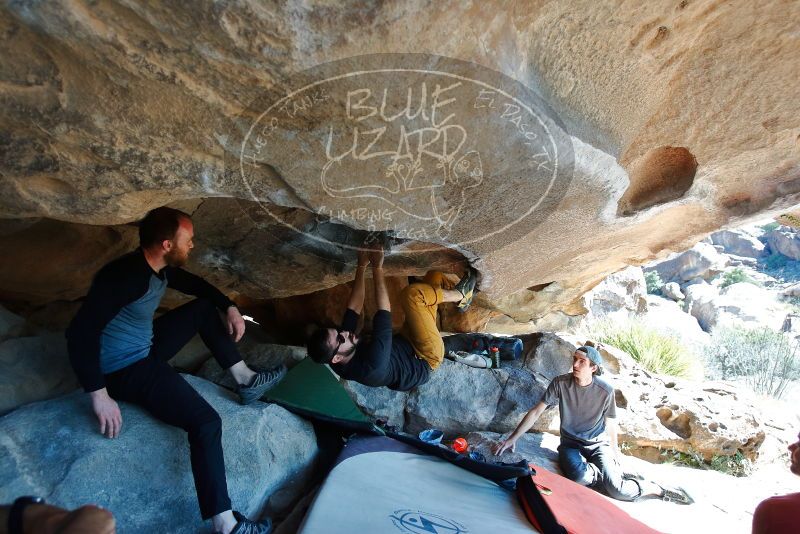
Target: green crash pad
(312, 390)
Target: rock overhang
(118, 109)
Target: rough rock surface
(737, 305)
(667, 317)
(34, 368)
(784, 241)
(738, 243)
(701, 261)
(117, 108)
(619, 296)
(672, 291)
(53, 448)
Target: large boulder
(34, 368)
(667, 317)
(738, 243)
(701, 261)
(112, 111)
(672, 291)
(52, 448)
(619, 296)
(784, 240)
(740, 305)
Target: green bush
(771, 226)
(765, 360)
(654, 283)
(736, 465)
(656, 352)
(776, 260)
(734, 276)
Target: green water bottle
(494, 354)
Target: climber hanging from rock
(400, 362)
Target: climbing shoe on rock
(261, 383)
(246, 526)
(466, 286)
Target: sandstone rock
(11, 325)
(792, 291)
(672, 291)
(33, 369)
(53, 448)
(702, 260)
(740, 305)
(668, 317)
(56, 261)
(784, 241)
(666, 413)
(619, 296)
(99, 132)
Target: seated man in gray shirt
(588, 450)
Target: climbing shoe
(466, 286)
(261, 383)
(677, 495)
(246, 526)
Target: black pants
(159, 389)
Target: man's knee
(575, 467)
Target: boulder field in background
(144, 477)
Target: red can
(460, 445)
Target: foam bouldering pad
(554, 504)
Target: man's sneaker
(261, 383)
(245, 526)
(677, 495)
(466, 286)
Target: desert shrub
(736, 465)
(774, 261)
(767, 361)
(734, 276)
(655, 351)
(653, 281)
(771, 226)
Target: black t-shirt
(382, 359)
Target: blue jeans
(595, 466)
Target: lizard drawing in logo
(424, 178)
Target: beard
(176, 258)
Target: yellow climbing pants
(420, 304)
